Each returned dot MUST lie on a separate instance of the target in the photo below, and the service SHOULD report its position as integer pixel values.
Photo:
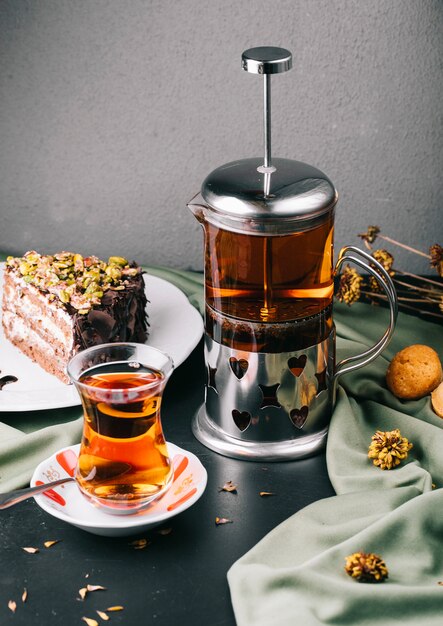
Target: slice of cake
(56, 305)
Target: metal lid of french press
(264, 194)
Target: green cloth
(26, 439)
(295, 575)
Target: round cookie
(437, 400)
(414, 372)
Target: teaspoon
(14, 497)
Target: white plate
(67, 503)
(176, 328)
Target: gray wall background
(112, 112)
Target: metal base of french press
(217, 440)
(265, 406)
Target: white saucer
(67, 503)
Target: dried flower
(222, 520)
(115, 608)
(24, 595)
(49, 544)
(421, 294)
(349, 286)
(366, 567)
(386, 260)
(388, 449)
(436, 254)
(263, 494)
(370, 235)
(31, 550)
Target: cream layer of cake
(42, 332)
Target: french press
(269, 282)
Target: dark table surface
(178, 577)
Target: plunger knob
(266, 60)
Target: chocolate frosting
(121, 316)
(6, 380)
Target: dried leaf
(24, 595)
(266, 493)
(31, 550)
(95, 588)
(12, 605)
(139, 544)
(103, 616)
(82, 592)
(49, 544)
(223, 520)
(115, 608)
(164, 531)
(89, 621)
(229, 486)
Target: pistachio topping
(72, 278)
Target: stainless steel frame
(269, 407)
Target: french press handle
(352, 254)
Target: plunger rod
(267, 118)
(267, 60)
(267, 253)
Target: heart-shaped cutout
(242, 419)
(238, 366)
(297, 364)
(299, 416)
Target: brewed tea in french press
(269, 282)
